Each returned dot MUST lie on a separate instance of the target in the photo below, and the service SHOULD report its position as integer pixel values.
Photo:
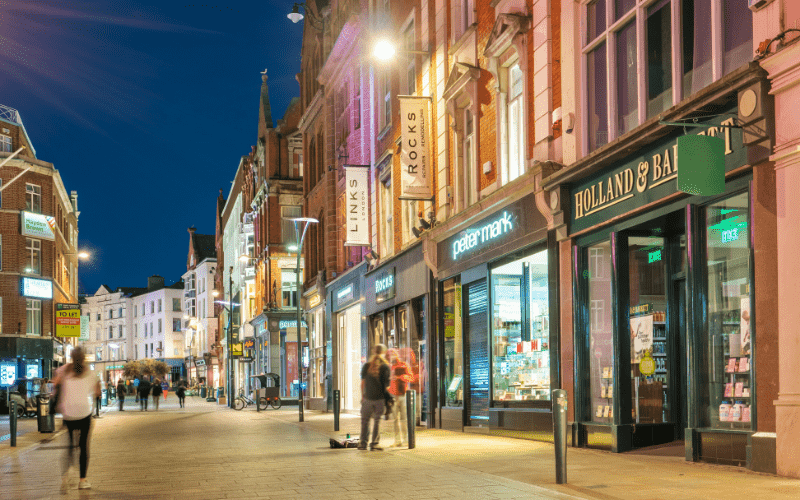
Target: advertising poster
(415, 149)
(745, 325)
(641, 337)
(8, 373)
(357, 205)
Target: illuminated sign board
(654, 256)
(314, 300)
(384, 286)
(38, 225)
(730, 235)
(8, 373)
(237, 349)
(477, 237)
(289, 323)
(68, 320)
(249, 343)
(37, 288)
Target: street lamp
(299, 237)
(385, 50)
(296, 16)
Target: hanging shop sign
(36, 288)
(290, 323)
(249, 343)
(357, 205)
(68, 320)
(415, 156)
(246, 359)
(38, 225)
(200, 362)
(236, 349)
(384, 285)
(649, 176)
(314, 300)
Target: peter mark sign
(415, 155)
(357, 182)
(68, 320)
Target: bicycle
(241, 402)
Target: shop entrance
(476, 322)
(656, 292)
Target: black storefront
(498, 322)
(398, 309)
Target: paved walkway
(207, 451)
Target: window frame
(33, 198)
(33, 249)
(6, 140)
(33, 307)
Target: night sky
(145, 108)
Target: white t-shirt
(77, 393)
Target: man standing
(121, 393)
(144, 393)
(401, 377)
(374, 385)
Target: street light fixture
(300, 237)
(83, 255)
(296, 16)
(385, 50)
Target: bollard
(411, 418)
(559, 398)
(12, 423)
(336, 396)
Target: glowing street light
(83, 254)
(384, 50)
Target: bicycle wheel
(238, 404)
(275, 402)
(262, 403)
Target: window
(152, 306)
(5, 143)
(151, 330)
(159, 305)
(135, 352)
(98, 316)
(119, 313)
(33, 198)
(142, 309)
(159, 325)
(34, 251)
(453, 365)
(462, 17)
(175, 352)
(729, 385)
(176, 324)
(520, 330)
(111, 332)
(409, 213)
(110, 314)
(601, 343)
(637, 47)
(356, 109)
(176, 305)
(516, 126)
(1, 246)
(34, 316)
(411, 69)
(387, 100)
(121, 331)
(287, 227)
(98, 333)
(135, 311)
(135, 330)
(1, 314)
(386, 208)
(467, 181)
(288, 288)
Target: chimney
(155, 282)
(73, 196)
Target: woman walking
(156, 392)
(121, 394)
(76, 387)
(181, 393)
(374, 386)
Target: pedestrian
(401, 377)
(374, 386)
(121, 394)
(76, 385)
(165, 388)
(181, 393)
(156, 392)
(144, 393)
(136, 383)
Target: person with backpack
(144, 393)
(156, 392)
(374, 385)
(401, 378)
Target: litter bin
(220, 392)
(202, 391)
(46, 422)
(104, 397)
(211, 395)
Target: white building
(108, 344)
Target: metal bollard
(12, 423)
(336, 409)
(559, 398)
(411, 418)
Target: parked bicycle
(242, 401)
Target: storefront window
(520, 330)
(453, 343)
(601, 341)
(728, 355)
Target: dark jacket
(120, 389)
(144, 388)
(157, 391)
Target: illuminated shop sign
(345, 293)
(478, 237)
(289, 323)
(36, 288)
(654, 256)
(249, 343)
(384, 286)
(8, 373)
(38, 225)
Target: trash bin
(211, 396)
(220, 392)
(46, 421)
(202, 391)
(104, 397)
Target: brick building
(38, 253)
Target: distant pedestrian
(156, 392)
(76, 385)
(136, 383)
(181, 393)
(374, 386)
(144, 393)
(121, 394)
(165, 388)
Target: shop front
(667, 348)
(317, 390)
(398, 307)
(349, 346)
(281, 342)
(497, 326)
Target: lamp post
(228, 337)
(300, 237)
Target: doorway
(476, 322)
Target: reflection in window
(520, 330)
(453, 362)
(601, 341)
(659, 59)
(598, 97)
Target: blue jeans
(371, 409)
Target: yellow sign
(68, 320)
(647, 366)
(237, 349)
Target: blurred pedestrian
(156, 392)
(76, 385)
(374, 386)
(144, 393)
(121, 394)
(136, 383)
(165, 388)
(401, 377)
(181, 393)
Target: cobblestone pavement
(207, 451)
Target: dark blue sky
(145, 107)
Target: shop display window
(520, 330)
(601, 337)
(453, 359)
(730, 337)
